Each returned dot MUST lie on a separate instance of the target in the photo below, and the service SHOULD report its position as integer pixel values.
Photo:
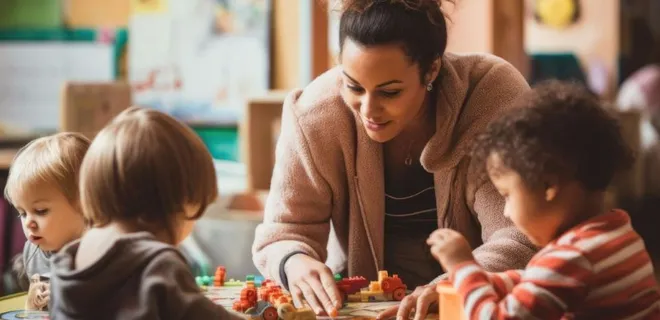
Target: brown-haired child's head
(556, 149)
(150, 170)
(43, 187)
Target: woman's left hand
(422, 300)
(450, 248)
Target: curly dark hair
(419, 26)
(556, 128)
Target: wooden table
(12, 302)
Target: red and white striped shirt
(599, 269)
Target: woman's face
(383, 87)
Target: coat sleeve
(504, 246)
(299, 204)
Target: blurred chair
(259, 131)
(629, 186)
(561, 66)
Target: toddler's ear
(551, 185)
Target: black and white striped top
(414, 212)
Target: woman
(374, 154)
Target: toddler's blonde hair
(52, 160)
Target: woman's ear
(434, 70)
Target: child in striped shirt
(552, 160)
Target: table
(225, 296)
(12, 302)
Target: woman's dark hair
(418, 25)
(556, 128)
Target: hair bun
(361, 5)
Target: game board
(224, 296)
(22, 315)
(11, 307)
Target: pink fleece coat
(327, 194)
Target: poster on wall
(199, 59)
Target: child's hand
(449, 247)
(38, 294)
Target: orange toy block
(219, 279)
(450, 305)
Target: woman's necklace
(408, 160)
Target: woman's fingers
(297, 296)
(427, 298)
(310, 297)
(321, 295)
(387, 313)
(406, 306)
(330, 286)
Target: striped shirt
(599, 269)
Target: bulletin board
(35, 63)
(199, 59)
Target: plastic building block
(234, 283)
(287, 311)
(204, 280)
(258, 281)
(247, 299)
(351, 285)
(262, 310)
(387, 288)
(449, 302)
(219, 279)
(269, 302)
(198, 280)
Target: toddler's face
(527, 208)
(49, 220)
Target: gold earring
(429, 87)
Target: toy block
(449, 302)
(219, 279)
(234, 283)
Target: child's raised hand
(449, 247)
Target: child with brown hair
(145, 180)
(43, 187)
(552, 160)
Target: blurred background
(225, 66)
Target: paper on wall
(32, 75)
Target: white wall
(469, 26)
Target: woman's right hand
(312, 281)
